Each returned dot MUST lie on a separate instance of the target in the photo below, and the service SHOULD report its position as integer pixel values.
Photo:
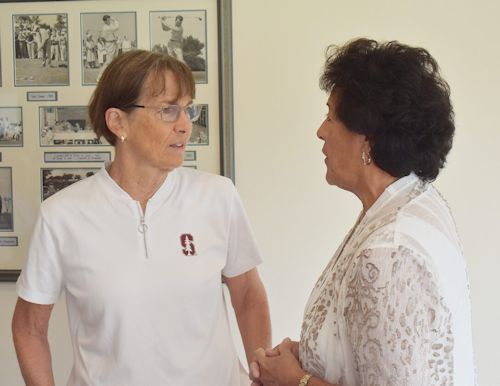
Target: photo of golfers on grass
(183, 35)
(41, 49)
(104, 35)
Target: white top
(392, 307)
(145, 301)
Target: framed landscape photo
(67, 126)
(104, 35)
(55, 179)
(183, 35)
(40, 49)
(11, 126)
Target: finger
(273, 352)
(286, 345)
(254, 370)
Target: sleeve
(41, 278)
(398, 326)
(242, 252)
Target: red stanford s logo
(187, 243)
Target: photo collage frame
(50, 61)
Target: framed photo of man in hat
(103, 36)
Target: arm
(408, 337)
(164, 24)
(114, 26)
(249, 301)
(29, 329)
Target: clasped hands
(278, 366)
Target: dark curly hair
(395, 95)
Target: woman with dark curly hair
(392, 307)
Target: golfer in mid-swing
(175, 43)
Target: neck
(372, 185)
(140, 181)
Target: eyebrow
(173, 102)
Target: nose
(319, 132)
(183, 123)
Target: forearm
(30, 329)
(254, 323)
(34, 358)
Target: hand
(254, 369)
(280, 368)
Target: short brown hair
(126, 78)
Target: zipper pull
(143, 228)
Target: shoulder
(197, 180)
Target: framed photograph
(56, 179)
(199, 135)
(64, 143)
(67, 126)
(183, 35)
(104, 35)
(0, 63)
(40, 49)
(6, 205)
(11, 126)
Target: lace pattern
(382, 300)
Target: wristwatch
(305, 379)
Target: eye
(169, 110)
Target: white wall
(298, 219)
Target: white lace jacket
(392, 307)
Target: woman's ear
(116, 122)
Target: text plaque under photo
(39, 96)
(77, 156)
(190, 155)
(8, 241)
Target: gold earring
(122, 138)
(366, 158)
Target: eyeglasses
(171, 113)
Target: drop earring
(366, 158)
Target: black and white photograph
(41, 49)
(11, 126)
(6, 216)
(0, 65)
(55, 179)
(104, 35)
(199, 135)
(67, 126)
(182, 34)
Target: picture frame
(67, 126)
(40, 46)
(11, 126)
(32, 156)
(6, 200)
(103, 36)
(55, 179)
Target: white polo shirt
(143, 293)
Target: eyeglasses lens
(171, 113)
